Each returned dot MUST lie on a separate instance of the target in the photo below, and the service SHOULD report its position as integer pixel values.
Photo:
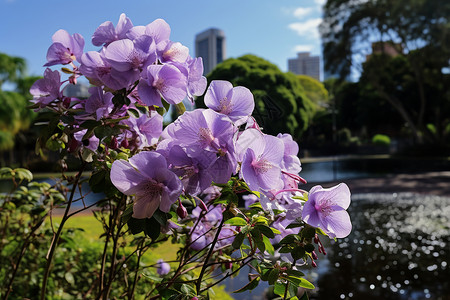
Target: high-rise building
(305, 64)
(210, 46)
(79, 90)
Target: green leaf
(266, 231)
(309, 248)
(294, 225)
(161, 217)
(301, 282)
(236, 221)
(249, 286)
(238, 240)
(268, 245)
(289, 239)
(298, 252)
(273, 276)
(69, 277)
(136, 225)
(180, 108)
(22, 173)
(152, 228)
(295, 273)
(258, 239)
(308, 232)
(97, 181)
(279, 289)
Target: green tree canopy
(416, 30)
(281, 104)
(314, 90)
(14, 114)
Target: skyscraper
(305, 64)
(210, 45)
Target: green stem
(58, 233)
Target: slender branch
(211, 250)
(58, 233)
(139, 255)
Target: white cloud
(308, 28)
(301, 12)
(320, 2)
(303, 48)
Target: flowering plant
(211, 181)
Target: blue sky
(272, 29)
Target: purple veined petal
(220, 125)
(174, 52)
(105, 33)
(250, 138)
(58, 54)
(135, 32)
(148, 94)
(145, 206)
(125, 177)
(148, 163)
(63, 37)
(190, 124)
(78, 45)
(290, 146)
(91, 61)
(222, 169)
(146, 50)
(338, 195)
(196, 88)
(338, 224)
(310, 215)
(273, 150)
(242, 102)
(123, 26)
(159, 30)
(172, 84)
(217, 94)
(248, 172)
(269, 178)
(118, 54)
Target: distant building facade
(305, 64)
(211, 47)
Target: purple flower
(159, 30)
(65, 48)
(326, 208)
(261, 156)
(146, 176)
(146, 129)
(163, 267)
(99, 103)
(47, 89)
(165, 81)
(193, 170)
(131, 57)
(106, 33)
(196, 81)
(173, 52)
(91, 143)
(237, 102)
(99, 71)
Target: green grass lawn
(92, 229)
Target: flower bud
(313, 263)
(125, 143)
(314, 255)
(194, 298)
(228, 265)
(73, 145)
(181, 210)
(114, 143)
(73, 79)
(66, 102)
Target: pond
(399, 248)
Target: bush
(381, 139)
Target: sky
(272, 29)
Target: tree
(281, 104)
(314, 90)
(419, 32)
(14, 114)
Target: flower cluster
(213, 157)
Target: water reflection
(399, 249)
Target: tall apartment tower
(210, 45)
(305, 64)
